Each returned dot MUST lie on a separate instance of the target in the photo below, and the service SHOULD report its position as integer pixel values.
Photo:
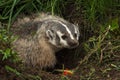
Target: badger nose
(73, 43)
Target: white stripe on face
(76, 31)
(67, 29)
(61, 40)
(75, 28)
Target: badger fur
(40, 36)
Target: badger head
(62, 34)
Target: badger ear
(50, 34)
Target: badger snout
(73, 43)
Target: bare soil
(87, 71)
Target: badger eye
(75, 35)
(64, 37)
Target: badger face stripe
(61, 40)
(75, 28)
(76, 31)
(67, 29)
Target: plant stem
(10, 17)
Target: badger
(40, 36)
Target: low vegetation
(98, 55)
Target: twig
(92, 51)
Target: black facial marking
(57, 40)
(75, 35)
(64, 37)
(70, 26)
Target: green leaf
(12, 70)
(6, 54)
(114, 24)
(3, 18)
